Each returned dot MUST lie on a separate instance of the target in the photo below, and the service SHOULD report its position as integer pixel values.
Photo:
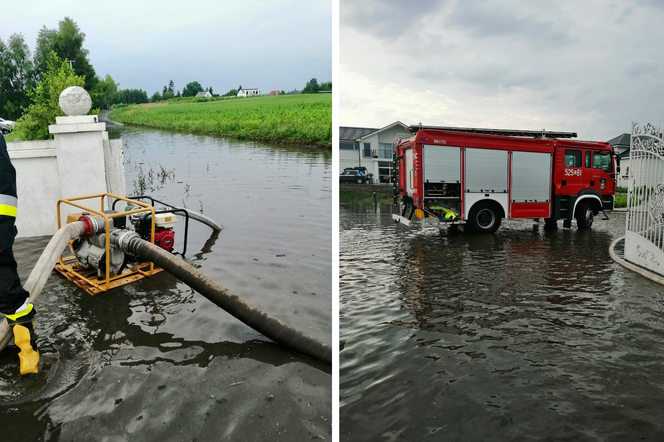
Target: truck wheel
(585, 215)
(484, 217)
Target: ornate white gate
(644, 236)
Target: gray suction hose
(260, 321)
(43, 268)
(130, 242)
(200, 218)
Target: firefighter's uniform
(14, 300)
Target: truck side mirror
(617, 164)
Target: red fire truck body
(466, 177)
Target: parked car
(6, 126)
(352, 176)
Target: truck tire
(484, 217)
(585, 215)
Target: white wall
(350, 158)
(38, 186)
(385, 136)
(79, 161)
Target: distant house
(205, 94)
(248, 92)
(274, 93)
(370, 148)
(621, 145)
(294, 91)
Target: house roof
(274, 92)
(202, 94)
(347, 133)
(353, 133)
(625, 154)
(389, 126)
(620, 140)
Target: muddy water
(523, 335)
(156, 361)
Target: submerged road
(156, 361)
(523, 335)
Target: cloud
(575, 66)
(494, 20)
(638, 68)
(388, 19)
(261, 43)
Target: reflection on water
(524, 334)
(154, 360)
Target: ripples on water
(154, 360)
(525, 334)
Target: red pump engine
(164, 235)
(164, 223)
(164, 238)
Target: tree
(231, 93)
(311, 87)
(16, 76)
(155, 97)
(191, 89)
(210, 90)
(178, 95)
(167, 95)
(282, 93)
(104, 94)
(326, 86)
(164, 91)
(67, 42)
(131, 96)
(45, 106)
(171, 87)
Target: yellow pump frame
(87, 279)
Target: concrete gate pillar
(79, 144)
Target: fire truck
(476, 177)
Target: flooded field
(522, 335)
(154, 360)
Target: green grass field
(292, 119)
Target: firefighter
(14, 299)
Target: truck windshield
(602, 160)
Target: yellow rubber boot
(28, 357)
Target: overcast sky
(589, 67)
(143, 44)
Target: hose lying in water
(268, 325)
(43, 268)
(200, 218)
(130, 242)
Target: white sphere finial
(75, 101)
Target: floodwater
(523, 335)
(155, 361)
